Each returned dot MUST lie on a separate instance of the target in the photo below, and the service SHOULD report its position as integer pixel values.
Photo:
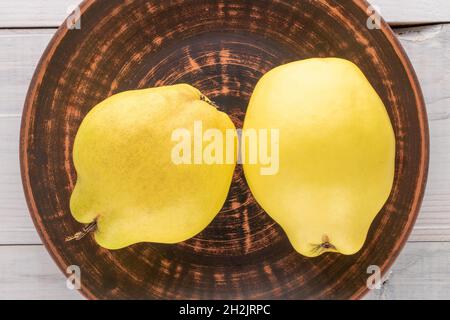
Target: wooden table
(421, 272)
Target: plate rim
(362, 5)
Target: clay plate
(222, 48)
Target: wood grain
(19, 54)
(35, 13)
(406, 12)
(429, 49)
(212, 265)
(51, 13)
(16, 226)
(28, 272)
(420, 273)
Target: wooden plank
(16, 226)
(51, 13)
(36, 13)
(401, 12)
(428, 48)
(420, 272)
(28, 272)
(19, 54)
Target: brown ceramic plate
(222, 48)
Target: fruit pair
(336, 160)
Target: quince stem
(210, 102)
(81, 234)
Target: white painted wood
(398, 12)
(429, 51)
(51, 13)
(421, 272)
(16, 226)
(20, 51)
(34, 13)
(28, 272)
